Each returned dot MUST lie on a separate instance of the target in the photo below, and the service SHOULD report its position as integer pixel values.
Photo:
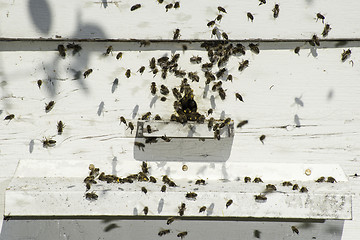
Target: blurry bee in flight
(221, 9)
(9, 117)
(247, 179)
(39, 83)
(176, 34)
(128, 73)
(326, 30)
(297, 50)
(254, 48)
(176, 4)
(261, 2)
(294, 229)
(144, 190)
(182, 209)
(164, 232)
(136, 6)
(250, 16)
(153, 88)
(242, 123)
(141, 69)
(345, 55)
(49, 106)
(182, 234)
(60, 127)
(48, 142)
(276, 10)
(87, 73)
(320, 16)
(202, 209)
(108, 50)
(119, 55)
(131, 126)
(62, 50)
(262, 138)
(225, 36)
(238, 96)
(146, 210)
(169, 6)
(228, 203)
(144, 43)
(122, 120)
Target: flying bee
(260, 197)
(48, 142)
(326, 30)
(164, 90)
(320, 16)
(314, 41)
(176, 4)
(144, 190)
(182, 209)
(250, 16)
(131, 126)
(136, 6)
(128, 73)
(148, 128)
(39, 83)
(222, 93)
(345, 55)
(238, 96)
(87, 72)
(163, 188)
(331, 180)
(276, 10)
(262, 138)
(247, 179)
(211, 23)
(164, 232)
(144, 43)
(122, 120)
(165, 138)
(169, 6)
(242, 123)
(49, 106)
(295, 187)
(214, 31)
(141, 69)
(151, 140)
(9, 117)
(108, 50)
(320, 179)
(152, 63)
(184, 47)
(146, 210)
(303, 189)
(297, 50)
(200, 182)
(182, 234)
(287, 184)
(153, 88)
(228, 203)
(229, 78)
(195, 59)
(261, 2)
(221, 9)
(176, 34)
(257, 180)
(202, 209)
(191, 195)
(60, 127)
(294, 229)
(160, 1)
(91, 196)
(254, 48)
(119, 55)
(244, 64)
(62, 50)
(170, 220)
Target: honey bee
(217, 134)
(219, 17)
(216, 85)
(238, 96)
(345, 55)
(276, 10)
(260, 197)
(331, 180)
(166, 179)
(160, 1)
(250, 16)
(119, 55)
(164, 232)
(122, 120)
(49, 106)
(184, 47)
(221, 9)
(222, 93)
(202, 209)
(211, 122)
(295, 187)
(214, 31)
(207, 66)
(320, 16)
(211, 23)
(225, 36)
(91, 196)
(172, 184)
(228, 203)
(262, 138)
(144, 43)
(261, 2)
(176, 4)
(257, 180)
(200, 182)
(87, 72)
(247, 179)
(326, 30)
(244, 64)
(108, 50)
(152, 179)
(320, 179)
(153, 88)
(144, 190)
(297, 50)
(254, 48)
(170, 220)
(146, 210)
(169, 6)
(148, 128)
(195, 59)
(48, 142)
(9, 117)
(141, 69)
(270, 187)
(62, 50)
(191, 195)
(182, 234)
(144, 167)
(60, 127)
(229, 78)
(242, 123)
(136, 6)
(155, 71)
(165, 138)
(128, 73)
(294, 229)
(152, 63)
(287, 184)
(164, 90)
(163, 188)
(176, 34)
(303, 189)
(164, 73)
(131, 126)
(39, 83)
(182, 209)
(314, 41)
(157, 117)
(193, 76)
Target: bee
(326, 30)
(229, 78)
(210, 111)
(180, 73)
(276, 10)
(144, 167)
(152, 63)
(202, 209)
(119, 55)
(228, 203)
(247, 179)
(225, 36)
(169, 6)
(216, 85)
(217, 134)
(170, 220)
(242, 123)
(320, 179)
(48, 142)
(262, 138)
(131, 126)
(200, 182)
(193, 76)
(146, 210)
(164, 73)
(144, 190)
(128, 73)
(216, 126)
(295, 187)
(303, 189)
(166, 179)
(331, 180)
(345, 55)
(250, 16)
(211, 23)
(191, 195)
(75, 47)
(164, 90)
(87, 72)
(294, 229)
(254, 48)
(221, 9)
(207, 66)
(160, 1)
(320, 16)
(148, 128)
(165, 138)
(91, 196)
(155, 71)
(297, 50)
(88, 186)
(9, 117)
(163, 188)
(62, 50)
(182, 234)
(182, 209)
(219, 17)
(153, 88)
(152, 179)
(39, 83)
(146, 116)
(244, 64)
(270, 187)
(176, 4)
(172, 184)
(176, 34)
(314, 41)
(238, 96)
(151, 140)
(157, 117)
(222, 93)
(136, 6)
(164, 232)
(214, 31)
(220, 73)
(195, 59)
(184, 47)
(49, 106)
(257, 180)
(122, 120)
(211, 122)
(108, 50)
(260, 197)
(141, 69)
(286, 184)
(60, 127)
